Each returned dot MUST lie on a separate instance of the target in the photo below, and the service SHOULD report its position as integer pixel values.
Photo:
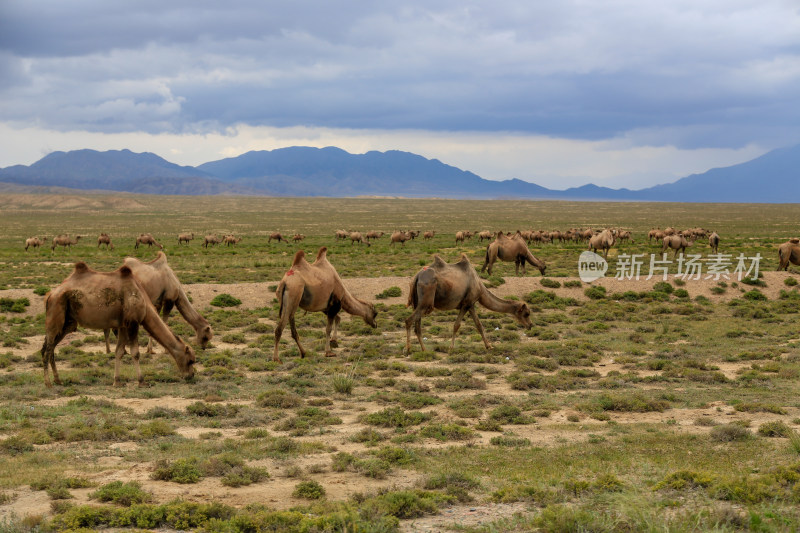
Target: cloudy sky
(558, 92)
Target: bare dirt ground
(554, 430)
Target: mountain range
(332, 172)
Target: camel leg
(119, 352)
(461, 313)
(474, 313)
(334, 342)
(106, 333)
(333, 320)
(296, 337)
(133, 343)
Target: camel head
(542, 268)
(370, 315)
(204, 336)
(185, 360)
(522, 314)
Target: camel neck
(353, 305)
(157, 329)
(493, 303)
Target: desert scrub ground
(643, 406)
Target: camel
(429, 235)
(713, 242)
(316, 287)
(34, 242)
(455, 286)
(399, 236)
(276, 236)
(107, 300)
(511, 249)
(485, 235)
(587, 234)
(165, 292)
(460, 237)
(374, 235)
(789, 252)
(625, 235)
(185, 237)
(602, 241)
(65, 241)
(149, 240)
(677, 243)
(413, 234)
(231, 240)
(298, 237)
(356, 237)
(105, 238)
(341, 235)
(212, 239)
(656, 234)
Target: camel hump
(81, 267)
(794, 241)
(322, 253)
(438, 262)
(464, 263)
(298, 258)
(125, 271)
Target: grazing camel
(676, 242)
(65, 241)
(413, 234)
(373, 235)
(429, 235)
(713, 242)
(602, 241)
(165, 292)
(33, 241)
(212, 239)
(460, 237)
(108, 300)
(655, 234)
(277, 237)
(789, 252)
(298, 237)
(185, 237)
(341, 235)
(149, 240)
(105, 238)
(399, 236)
(455, 286)
(511, 249)
(356, 237)
(316, 287)
(485, 235)
(231, 240)
(625, 235)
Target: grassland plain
(645, 406)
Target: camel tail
(413, 299)
(279, 294)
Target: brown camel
(341, 235)
(789, 252)
(713, 242)
(34, 242)
(298, 237)
(429, 235)
(231, 240)
(316, 287)
(625, 236)
(212, 239)
(185, 237)
(105, 238)
(356, 236)
(276, 236)
(165, 292)
(413, 234)
(65, 241)
(373, 235)
(107, 300)
(510, 249)
(676, 242)
(401, 237)
(485, 235)
(602, 241)
(455, 286)
(460, 237)
(149, 240)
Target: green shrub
(391, 292)
(244, 475)
(125, 494)
(278, 398)
(550, 283)
(776, 428)
(11, 305)
(308, 490)
(790, 282)
(663, 286)
(41, 291)
(729, 433)
(575, 283)
(596, 292)
(396, 417)
(225, 300)
(179, 471)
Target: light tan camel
(655, 234)
(460, 237)
(789, 252)
(602, 241)
(298, 237)
(165, 292)
(677, 243)
(34, 242)
(399, 236)
(149, 240)
(316, 287)
(713, 242)
(185, 237)
(341, 235)
(231, 240)
(429, 235)
(356, 236)
(105, 238)
(373, 235)
(485, 235)
(625, 236)
(276, 236)
(213, 240)
(510, 249)
(107, 300)
(65, 241)
(455, 286)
